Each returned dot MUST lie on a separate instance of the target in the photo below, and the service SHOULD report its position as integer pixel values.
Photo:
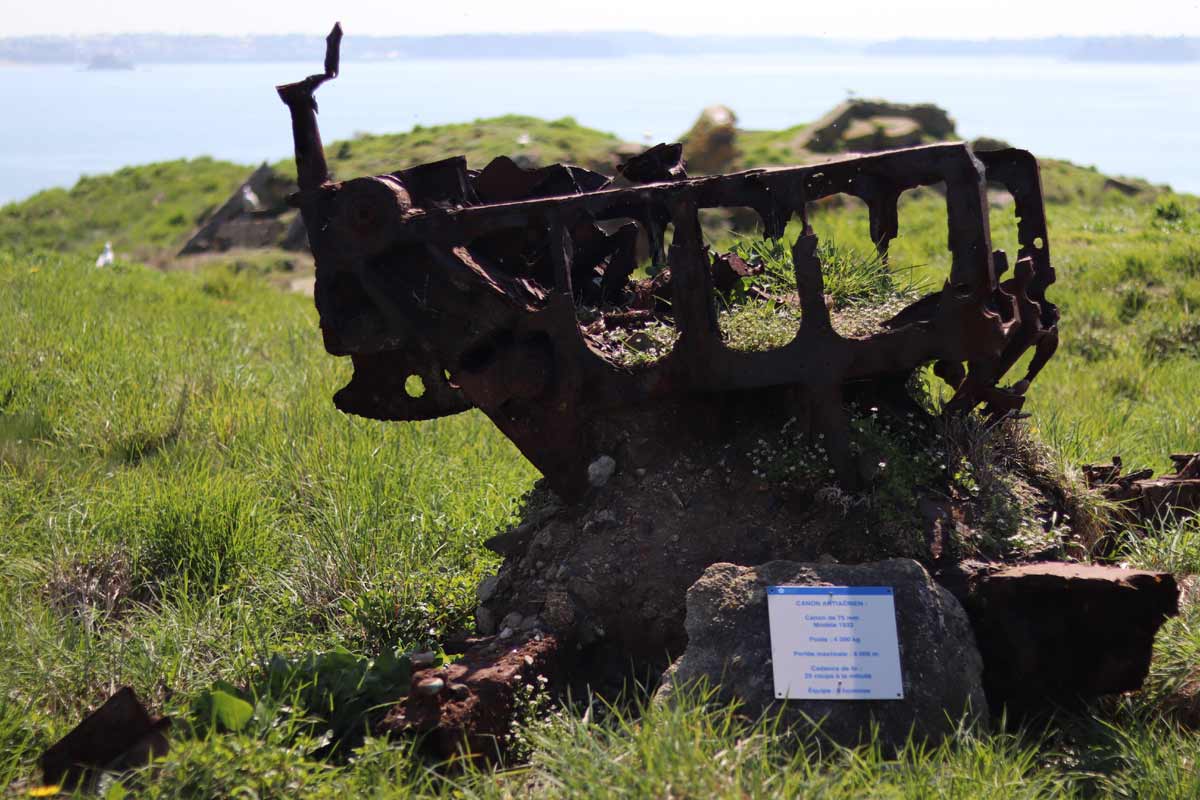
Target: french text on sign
(834, 643)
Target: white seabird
(250, 202)
(106, 258)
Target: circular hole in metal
(414, 387)
(1038, 244)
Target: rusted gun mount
(470, 280)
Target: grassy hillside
(149, 211)
(545, 142)
(142, 210)
(180, 502)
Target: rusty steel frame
(470, 280)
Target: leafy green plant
(1170, 210)
(330, 696)
(1180, 337)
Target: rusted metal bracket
(1143, 499)
(470, 280)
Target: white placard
(834, 643)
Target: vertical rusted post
(691, 284)
(311, 169)
(561, 254)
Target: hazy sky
(972, 19)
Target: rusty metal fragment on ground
(467, 707)
(1141, 497)
(119, 735)
(474, 281)
(1053, 634)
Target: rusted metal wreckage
(1141, 498)
(470, 280)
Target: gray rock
(485, 621)
(487, 588)
(422, 659)
(512, 620)
(429, 686)
(729, 644)
(600, 470)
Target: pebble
(460, 690)
(487, 588)
(600, 470)
(430, 686)
(421, 660)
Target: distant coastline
(1123, 49)
(186, 49)
(107, 62)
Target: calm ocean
(63, 122)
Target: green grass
(769, 148)
(548, 142)
(171, 436)
(180, 503)
(149, 211)
(142, 210)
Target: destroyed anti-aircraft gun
(470, 281)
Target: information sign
(834, 643)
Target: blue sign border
(828, 590)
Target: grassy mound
(541, 141)
(149, 211)
(142, 210)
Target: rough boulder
(729, 645)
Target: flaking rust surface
(1141, 498)
(471, 712)
(472, 281)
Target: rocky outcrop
(257, 214)
(729, 646)
(710, 146)
(870, 125)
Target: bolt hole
(1038, 244)
(414, 387)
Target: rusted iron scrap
(1140, 497)
(118, 736)
(471, 280)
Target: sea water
(58, 123)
